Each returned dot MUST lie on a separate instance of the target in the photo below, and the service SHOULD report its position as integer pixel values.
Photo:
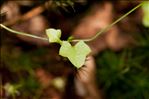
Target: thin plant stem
(76, 40)
(109, 26)
(23, 33)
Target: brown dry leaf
(86, 81)
(12, 10)
(51, 93)
(35, 26)
(116, 40)
(25, 2)
(98, 18)
(44, 77)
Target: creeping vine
(77, 53)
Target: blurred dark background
(32, 69)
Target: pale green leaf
(145, 8)
(65, 49)
(146, 20)
(82, 47)
(11, 89)
(76, 54)
(53, 35)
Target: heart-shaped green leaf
(76, 54)
(53, 35)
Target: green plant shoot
(76, 54)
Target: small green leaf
(11, 89)
(76, 54)
(70, 38)
(145, 8)
(53, 35)
(146, 21)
